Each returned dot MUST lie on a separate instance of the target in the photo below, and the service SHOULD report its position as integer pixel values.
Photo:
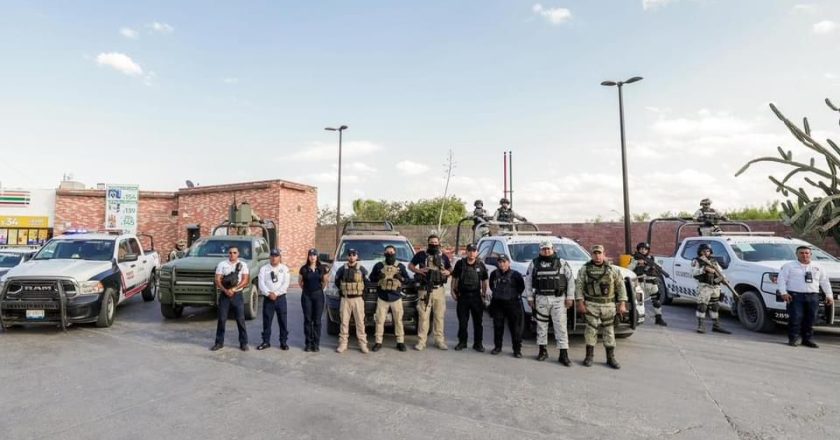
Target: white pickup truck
(751, 263)
(79, 279)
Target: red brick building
(165, 215)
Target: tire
(332, 327)
(753, 314)
(108, 309)
(150, 292)
(623, 335)
(251, 307)
(666, 298)
(171, 311)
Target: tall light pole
(620, 84)
(338, 203)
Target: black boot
(543, 353)
(564, 357)
(700, 327)
(718, 329)
(590, 352)
(660, 321)
(611, 358)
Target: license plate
(35, 314)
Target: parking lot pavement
(149, 378)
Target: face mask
(390, 259)
(434, 248)
(546, 257)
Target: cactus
(811, 216)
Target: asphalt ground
(149, 378)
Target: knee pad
(656, 303)
(702, 308)
(714, 307)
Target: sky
(158, 92)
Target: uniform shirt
(226, 267)
(515, 282)
(617, 280)
(376, 274)
(565, 269)
(648, 268)
(419, 260)
(507, 213)
(792, 278)
(698, 269)
(279, 287)
(462, 265)
(312, 277)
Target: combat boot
(543, 353)
(660, 321)
(590, 352)
(341, 348)
(564, 357)
(700, 327)
(611, 358)
(718, 329)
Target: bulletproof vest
(470, 279)
(176, 254)
(598, 282)
(352, 283)
(503, 287)
(548, 277)
(706, 277)
(435, 264)
(505, 215)
(709, 216)
(390, 280)
(647, 269)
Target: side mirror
(325, 258)
(491, 261)
(128, 258)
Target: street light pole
(620, 85)
(340, 130)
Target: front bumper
(57, 305)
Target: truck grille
(33, 290)
(835, 286)
(194, 277)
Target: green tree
(377, 210)
(770, 211)
(426, 211)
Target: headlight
(166, 270)
(91, 288)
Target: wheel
(666, 299)
(332, 327)
(753, 314)
(171, 311)
(251, 307)
(108, 308)
(150, 292)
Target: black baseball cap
(276, 252)
(352, 251)
(504, 257)
(313, 251)
(471, 247)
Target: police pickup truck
(77, 279)
(751, 262)
(521, 242)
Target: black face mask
(433, 249)
(390, 259)
(546, 257)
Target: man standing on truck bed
(549, 283)
(231, 277)
(707, 272)
(273, 284)
(644, 267)
(799, 283)
(433, 268)
(350, 280)
(389, 277)
(598, 284)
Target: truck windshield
(525, 252)
(9, 260)
(374, 249)
(755, 252)
(93, 250)
(219, 248)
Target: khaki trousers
(354, 307)
(437, 306)
(396, 308)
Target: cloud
(829, 75)
(412, 168)
(329, 178)
(654, 4)
(706, 124)
(120, 62)
(824, 27)
(161, 28)
(553, 15)
(328, 151)
(360, 167)
(804, 8)
(230, 80)
(129, 33)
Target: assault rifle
(650, 262)
(706, 263)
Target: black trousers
(802, 312)
(470, 303)
(313, 307)
(238, 305)
(510, 311)
(271, 308)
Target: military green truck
(190, 281)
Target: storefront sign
(23, 221)
(121, 208)
(14, 199)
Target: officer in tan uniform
(432, 268)
(389, 276)
(350, 280)
(598, 285)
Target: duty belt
(599, 300)
(549, 294)
(650, 281)
(352, 296)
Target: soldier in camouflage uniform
(709, 217)
(479, 216)
(708, 288)
(506, 215)
(648, 277)
(597, 286)
(180, 250)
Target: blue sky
(159, 92)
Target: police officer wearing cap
(800, 283)
(350, 280)
(273, 284)
(506, 305)
(232, 277)
(312, 279)
(549, 287)
(469, 288)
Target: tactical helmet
(478, 203)
(504, 200)
(644, 245)
(702, 248)
(705, 202)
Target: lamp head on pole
(343, 127)
(609, 83)
(633, 79)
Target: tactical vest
(505, 215)
(174, 255)
(646, 270)
(435, 264)
(503, 288)
(598, 282)
(352, 282)
(706, 277)
(548, 277)
(389, 281)
(470, 279)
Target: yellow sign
(23, 221)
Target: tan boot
(341, 348)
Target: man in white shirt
(799, 283)
(231, 277)
(273, 283)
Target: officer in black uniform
(507, 286)
(469, 287)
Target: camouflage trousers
(652, 291)
(600, 317)
(708, 299)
